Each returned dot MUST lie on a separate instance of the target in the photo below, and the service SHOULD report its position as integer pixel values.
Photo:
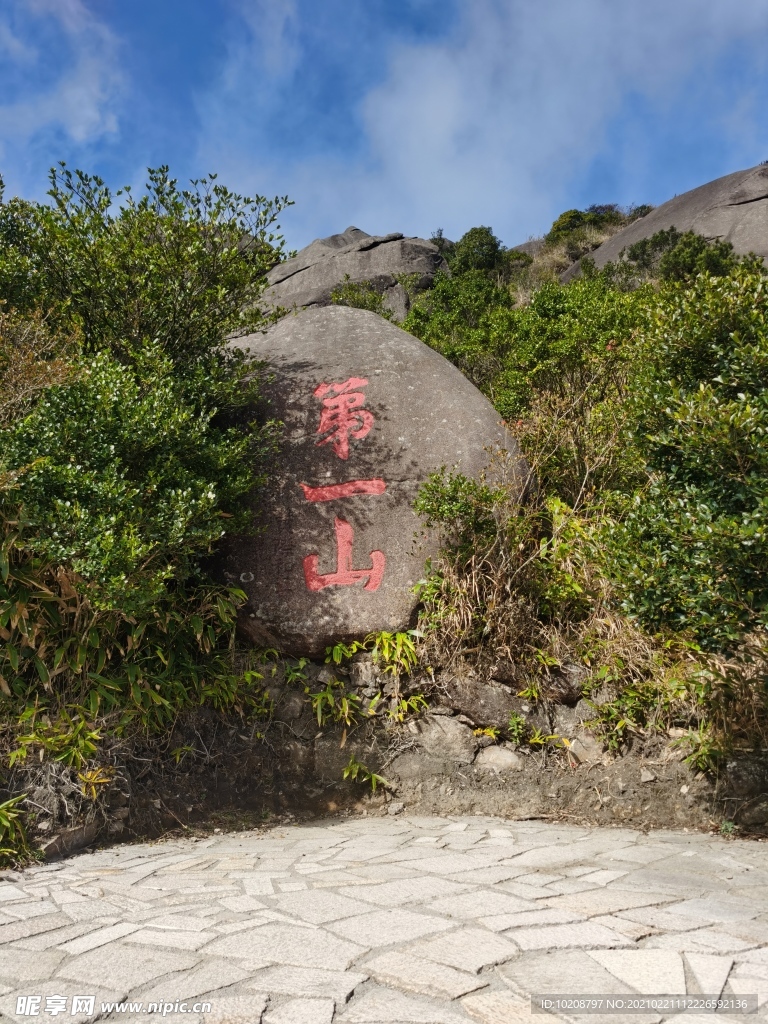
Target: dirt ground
(215, 770)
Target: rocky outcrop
(368, 412)
(309, 278)
(733, 209)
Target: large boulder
(368, 412)
(733, 209)
(309, 278)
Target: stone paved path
(388, 921)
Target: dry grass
(32, 359)
(553, 259)
(529, 590)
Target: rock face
(309, 278)
(369, 412)
(447, 738)
(733, 208)
(499, 759)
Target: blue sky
(394, 115)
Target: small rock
(565, 686)
(447, 738)
(684, 789)
(363, 672)
(504, 672)
(566, 721)
(757, 814)
(396, 807)
(646, 775)
(499, 759)
(676, 734)
(483, 701)
(585, 748)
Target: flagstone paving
(386, 920)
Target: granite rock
(310, 277)
(733, 208)
(369, 412)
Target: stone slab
(649, 972)
(415, 974)
(100, 937)
(710, 972)
(385, 927)
(524, 919)
(301, 1011)
(118, 966)
(586, 935)
(407, 890)
(481, 903)
(383, 1006)
(24, 965)
(469, 949)
(320, 907)
(171, 940)
(289, 944)
(498, 1007)
(309, 981)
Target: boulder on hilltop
(309, 278)
(732, 209)
(369, 412)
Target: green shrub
(600, 215)
(127, 450)
(638, 396)
(180, 267)
(125, 478)
(692, 551)
(360, 295)
(671, 255)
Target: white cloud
(493, 124)
(14, 48)
(81, 100)
(271, 30)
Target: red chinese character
(343, 416)
(345, 575)
(332, 491)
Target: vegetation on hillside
(639, 552)
(126, 452)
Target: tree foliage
(638, 394)
(127, 447)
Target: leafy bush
(184, 267)
(638, 396)
(480, 250)
(580, 231)
(360, 295)
(128, 448)
(692, 551)
(124, 477)
(671, 255)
